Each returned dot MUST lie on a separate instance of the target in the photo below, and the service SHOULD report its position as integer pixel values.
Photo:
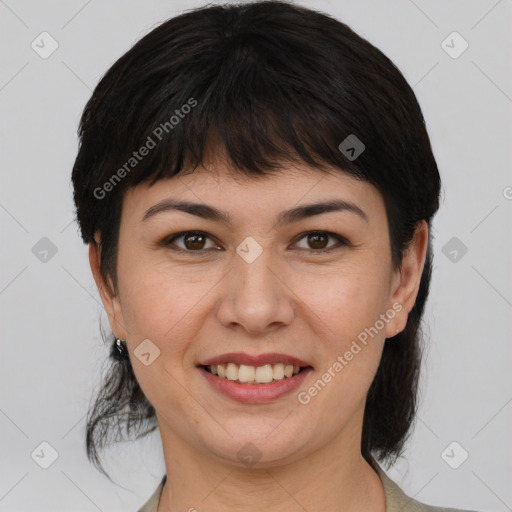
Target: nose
(256, 296)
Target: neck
(335, 478)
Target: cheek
(346, 307)
(157, 303)
(347, 301)
(161, 308)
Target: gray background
(49, 308)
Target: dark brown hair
(268, 82)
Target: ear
(110, 300)
(406, 280)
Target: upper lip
(257, 360)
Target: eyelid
(342, 241)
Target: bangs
(256, 86)
(258, 98)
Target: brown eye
(317, 241)
(193, 241)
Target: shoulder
(398, 501)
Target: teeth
(264, 373)
(246, 373)
(251, 374)
(232, 371)
(278, 371)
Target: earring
(119, 350)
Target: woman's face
(259, 285)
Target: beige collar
(396, 499)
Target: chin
(258, 444)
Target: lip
(255, 393)
(259, 360)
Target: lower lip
(255, 393)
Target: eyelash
(342, 241)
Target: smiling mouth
(246, 374)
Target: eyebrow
(286, 217)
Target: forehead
(219, 185)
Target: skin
(289, 300)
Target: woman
(256, 186)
